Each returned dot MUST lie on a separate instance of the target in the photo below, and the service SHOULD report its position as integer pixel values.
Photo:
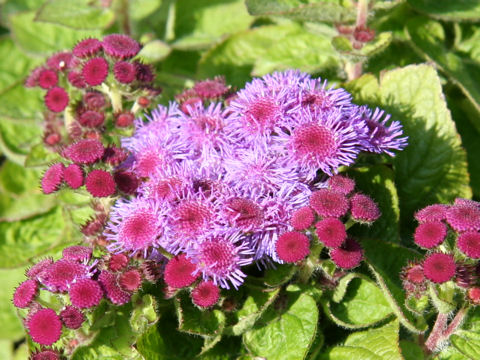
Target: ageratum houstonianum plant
(201, 193)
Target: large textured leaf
(201, 22)
(75, 14)
(411, 350)
(316, 10)
(14, 65)
(287, 335)
(429, 39)
(165, 342)
(236, 56)
(363, 303)
(16, 138)
(467, 340)
(11, 326)
(379, 182)
(306, 52)
(20, 195)
(39, 38)
(433, 166)
(448, 10)
(375, 344)
(22, 240)
(112, 342)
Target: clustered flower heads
(451, 236)
(79, 282)
(227, 184)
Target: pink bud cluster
(451, 236)
(324, 221)
(79, 282)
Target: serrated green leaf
(362, 305)
(334, 11)
(22, 240)
(429, 39)
(432, 168)
(378, 181)
(198, 322)
(11, 328)
(448, 10)
(306, 52)
(39, 38)
(442, 302)
(377, 45)
(75, 14)
(466, 346)
(417, 306)
(16, 138)
(203, 22)
(471, 44)
(287, 335)
(279, 276)
(253, 307)
(31, 109)
(236, 56)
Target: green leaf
(374, 344)
(154, 51)
(144, 313)
(334, 11)
(466, 344)
(20, 195)
(253, 307)
(113, 342)
(25, 239)
(202, 22)
(378, 181)
(198, 322)
(411, 350)
(140, 9)
(165, 342)
(235, 57)
(429, 39)
(39, 156)
(448, 10)
(287, 335)
(374, 47)
(306, 52)
(42, 38)
(442, 302)
(11, 328)
(76, 14)
(14, 65)
(31, 109)
(362, 305)
(432, 168)
(417, 306)
(386, 261)
(279, 276)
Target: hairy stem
(354, 70)
(437, 332)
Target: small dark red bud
(124, 119)
(143, 101)
(344, 29)
(363, 34)
(52, 139)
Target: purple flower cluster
(220, 182)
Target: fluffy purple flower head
(292, 79)
(135, 226)
(152, 153)
(317, 97)
(242, 210)
(319, 141)
(278, 209)
(167, 184)
(380, 137)
(203, 129)
(219, 257)
(258, 169)
(258, 109)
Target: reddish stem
(437, 332)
